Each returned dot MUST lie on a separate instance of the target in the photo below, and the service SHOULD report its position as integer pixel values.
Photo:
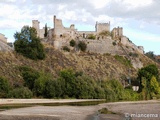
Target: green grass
(105, 111)
(123, 60)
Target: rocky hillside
(98, 66)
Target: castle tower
(102, 27)
(117, 32)
(35, 24)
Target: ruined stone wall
(35, 24)
(40, 32)
(102, 46)
(84, 34)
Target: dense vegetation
(149, 85)
(28, 44)
(75, 84)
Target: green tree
(46, 31)
(29, 75)
(147, 73)
(82, 45)
(28, 44)
(154, 85)
(150, 54)
(145, 89)
(40, 84)
(69, 78)
(4, 87)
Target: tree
(154, 85)
(46, 31)
(82, 45)
(29, 75)
(147, 72)
(150, 54)
(28, 44)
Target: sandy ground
(151, 108)
(15, 101)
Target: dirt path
(85, 112)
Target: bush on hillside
(82, 46)
(72, 43)
(4, 87)
(22, 92)
(91, 36)
(65, 48)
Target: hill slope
(98, 66)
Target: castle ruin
(60, 36)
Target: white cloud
(137, 3)
(61, 6)
(122, 13)
(99, 3)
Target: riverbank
(28, 101)
(84, 112)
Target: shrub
(133, 54)
(91, 36)
(4, 87)
(65, 48)
(23, 92)
(114, 43)
(82, 45)
(72, 43)
(105, 33)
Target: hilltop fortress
(102, 40)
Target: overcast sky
(140, 19)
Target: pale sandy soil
(84, 112)
(14, 101)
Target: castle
(60, 36)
